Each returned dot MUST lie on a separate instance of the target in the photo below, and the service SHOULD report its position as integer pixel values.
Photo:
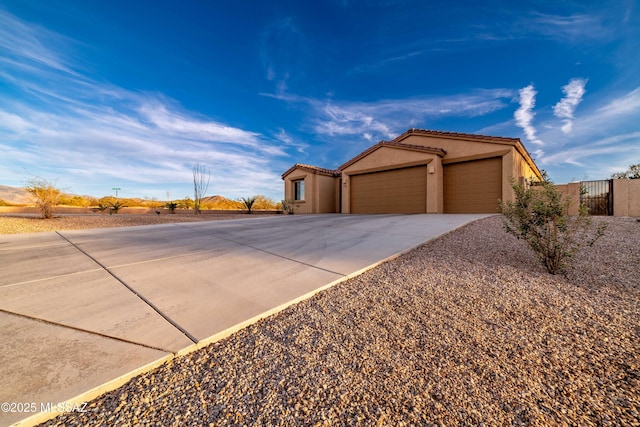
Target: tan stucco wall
(390, 158)
(319, 192)
(520, 171)
(455, 147)
(509, 170)
(513, 163)
(626, 197)
(385, 156)
(326, 187)
(302, 206)
(521, 168)
(571, 191)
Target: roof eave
(391, 144)
(313, 169)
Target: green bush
(539, 216)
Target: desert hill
(18, 196)
(14, 195)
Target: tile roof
(438, 133)
(314, 169)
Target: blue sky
(131, 94)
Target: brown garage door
(473, 187)
(391, 191)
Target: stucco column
(346, 191)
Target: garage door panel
(473, 187)
(393, 191)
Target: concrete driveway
(85, 310)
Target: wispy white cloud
(571, 28)
(339, 120)
(385, 119)
(99, 151)
(603, 117)
(63, 124)
(574, 28)
(12, 123)
(174, 123)
(602, 141)
(573, 91)
(627, 104)
(286, 139)
(25, 44)
(524, 115)
(581, 155)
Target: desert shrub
(289, 206)
(102, 206)
(172, 206)
(186, 203)
(75, 200)
(115, 206)
(248, 202)
(44, 194)
(540, 217)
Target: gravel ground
(24, 223)
(465, 330)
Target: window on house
(298, 190)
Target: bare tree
(632, 173)
(44, 193)
(201, 178)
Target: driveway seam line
(148, 261)
(59, 276)
(266, 251)
(20, 248)
(75, 328)
(132, 290)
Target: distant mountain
(19, 196)
(220, 202)
(14, 195)
(215, 199)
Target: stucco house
(420, 171)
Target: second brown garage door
(391, 191)
(473, 187)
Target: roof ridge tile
(428, 132)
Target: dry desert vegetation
(21, 223)
(468, 329)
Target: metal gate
(597, 196)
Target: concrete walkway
(85, 310)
